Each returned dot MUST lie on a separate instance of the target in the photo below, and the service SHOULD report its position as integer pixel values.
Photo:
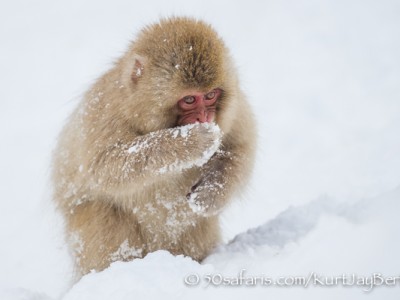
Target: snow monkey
(155, 150)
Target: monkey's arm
(224, 174)
(164, 151)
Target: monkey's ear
(138, 68)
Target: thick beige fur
(126, 181)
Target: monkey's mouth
(188, 120)
(208, 117)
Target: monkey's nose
(202, 116)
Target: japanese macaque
(155, 150)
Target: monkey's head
(182, 70)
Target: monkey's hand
(173, 149)
(168, 150)
(208, 194)
(187, 146)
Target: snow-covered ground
(324, 80)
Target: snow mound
(299, 241)
(285, 245)
(159, 276)
(22, 294)
(290, 225)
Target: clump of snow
(76, 242)
(194, 205)
(133, 149)
(183, 131)
(125, 252)
(138, 72)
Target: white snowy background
(323, 78)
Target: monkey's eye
(210, 95)
(189, 99)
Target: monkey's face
(180, 74)
(198, 107)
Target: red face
(198, 107)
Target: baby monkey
(155, 150)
